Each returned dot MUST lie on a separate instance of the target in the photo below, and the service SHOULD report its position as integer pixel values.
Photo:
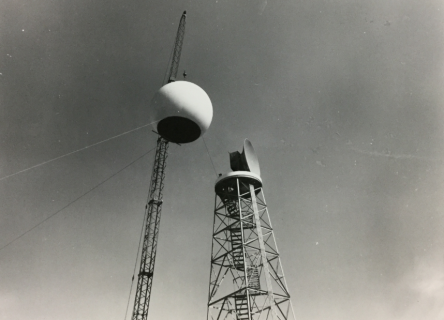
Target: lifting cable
(137, 258)
(72, 152)
(75, 200)
(211, 159)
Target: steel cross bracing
(177, 48)
(246, 280)
(149, 249)
(153, 208)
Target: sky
(341, 99)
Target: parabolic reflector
(245, 161)
(251, 158)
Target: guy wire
(72, 152)
(137, 258)
(78, 198)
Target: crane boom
(152, 223)
(153, 208)
(177, 48)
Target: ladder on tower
(241, 302)
(250, 276)
(236, 246)
(236, 232)
(241, 299)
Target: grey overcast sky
(343, 101)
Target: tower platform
(227, 185)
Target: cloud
(388, 154)
(425, 285)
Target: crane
(177, 48)
(153, 208)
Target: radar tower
(246, 278)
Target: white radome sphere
(183, 111)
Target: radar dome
(183, 111)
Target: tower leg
(246, 277)
(149, 249)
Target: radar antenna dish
(251, 158)
(245, 161)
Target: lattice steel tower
(183, 112)
(246, 280)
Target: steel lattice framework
(153, 208)
(246, 280)
(177, 48)
(153, 212)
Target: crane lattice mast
(153, 208)
(177, 48)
